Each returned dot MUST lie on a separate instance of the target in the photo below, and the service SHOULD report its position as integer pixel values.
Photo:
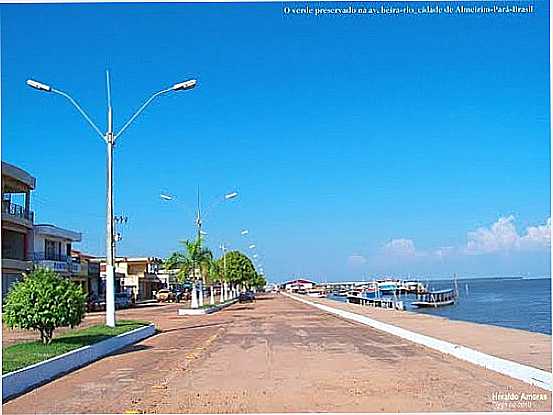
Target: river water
(509, 302)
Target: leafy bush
(44, 301)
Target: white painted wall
(39, 244)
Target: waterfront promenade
(279, 355)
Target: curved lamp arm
(218, 201)
(83, 113)
(142, 108)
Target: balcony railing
(56, 262)
(50, 256)
(16, 210)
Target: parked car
(165, 295)
(95, 303)
(179, 295)
(246, 297)
(122, 300)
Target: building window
(50, 249)
(13, 245)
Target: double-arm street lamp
(110, 138)
(199, 216)
(199, 223)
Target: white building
(52, 249)
(298, 284)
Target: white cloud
(537, 236)
(502, 236)
(400, 247)
(444, 251)
(356, 260)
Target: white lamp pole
(110, 138)
(199, 301)
(224, 282)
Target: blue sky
(359, 145)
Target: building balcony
(17, 213)
(57, 263)
(16, 265)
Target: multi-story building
(139, 276)
(52, 249)
(17, 224)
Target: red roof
(299, 281)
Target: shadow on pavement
(131, 348)
(199, 326)
(242, 307)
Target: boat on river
(388, 286)
(438, 298)
(316, 292)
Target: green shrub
(44, 301)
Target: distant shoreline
(441, 278)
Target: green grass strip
(22, 355)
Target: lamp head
(191, 83)
(39, 85)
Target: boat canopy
(449, 290)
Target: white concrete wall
(39, 244)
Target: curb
(203, 311)
(30, 377)
(527, 374)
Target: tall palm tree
(191, 263)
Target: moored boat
(317, 293)
(388, 286)
(438, 298)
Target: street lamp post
(197, 300)
(110, 138)
(223, 294)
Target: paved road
(276, 355)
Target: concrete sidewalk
(276, 355)
(528, 348)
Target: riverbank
(276, 355)
(528, 348)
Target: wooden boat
(317, 293)
(341, 293)
(388, 286)
(435, 298)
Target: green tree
(194, 257)
(259, 281)
(215, 272)
(239, 269)
(43, 301)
